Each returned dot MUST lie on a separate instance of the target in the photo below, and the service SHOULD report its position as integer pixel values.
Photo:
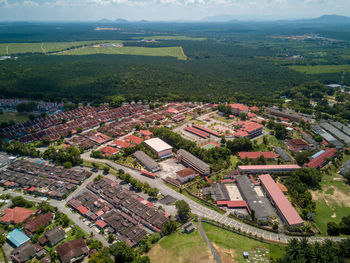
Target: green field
(333, 201)
(237, 244)
(15, 116)
(180, 248)
(176, 52)
(321, 69)
(172, 38)
(47, 47)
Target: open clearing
(234, 245)
(172, 38)
(191, 248)
(47, 47)
(15, 116)
(321, 69)
(180, 248)
(176, 52)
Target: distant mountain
(219, 18)
(105, 21)
(120, 20)
(332, 19)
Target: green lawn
(321, 69)
(238, 243)
(325, 212)
(176, 52)
(15, 116)
(180, 248)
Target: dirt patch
(337, 197)
(334, 215)
(226, 255)
(162, 255)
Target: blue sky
(164, 10)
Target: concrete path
(204, 235)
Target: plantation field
(321, 69)
(172, 38)
(176, 52)
(47, 47)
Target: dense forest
(234, 62)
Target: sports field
(176, 52)
(321, 69)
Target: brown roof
(16, 215)
(72, 249)
(32, 224)
(185, 172)
(55, 235)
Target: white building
(159, 147)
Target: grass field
(172, 38)
(176, 52)
(47, 47)
(236, 244)
(15, 116)
(321, 69)
(181, 248)
(333, 201)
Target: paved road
(203, 211)
(204, 235)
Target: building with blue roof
(17, 238)
(317, 154)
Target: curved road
(203, 211)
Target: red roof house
(121, 144)
(321, 160)
(100, 223)
(108, 151)
(256, 155)
(15, 215)
(133, 139)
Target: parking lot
(169, 168)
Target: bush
(333, 229)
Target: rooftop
(286, 208)
(185, 172)
(15, 215)
(255, 155)
(17, 238)
(158, 145)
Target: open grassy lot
(333, 201)
(234, 245)
(15, 116)
(181, 248)
(173, 38)
(21, 48)
(176, 52)
(320, 69)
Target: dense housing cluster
(118, 211)
(40, 178)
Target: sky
(167, 10)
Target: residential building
(53, 237)
(185, 175)
(72, 250)
(17, 238)
(15, 215)
(322, 159)
(33, 223)
(238, 108)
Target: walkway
(204, 235)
